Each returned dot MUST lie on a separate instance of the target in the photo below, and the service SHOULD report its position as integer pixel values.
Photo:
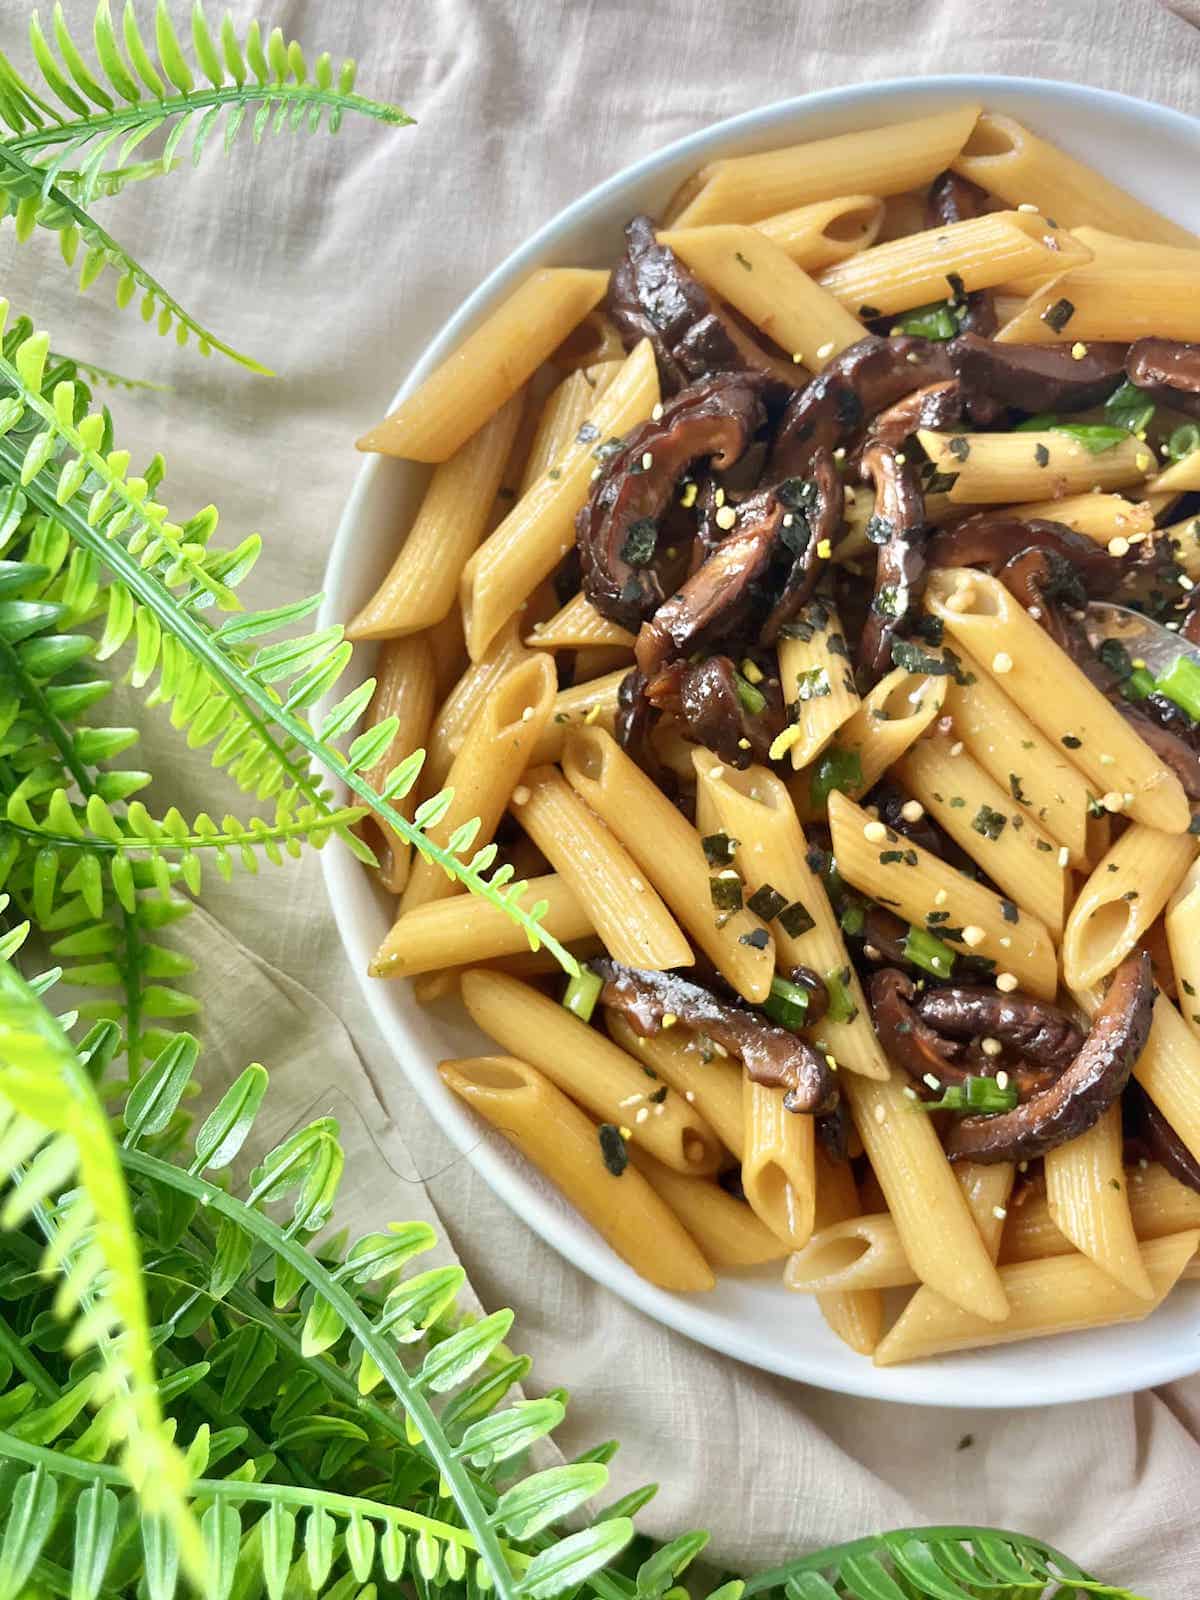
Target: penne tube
(1113, 249)
(894, 715)
(1124, 895)
(462, 704)
(540, 529)
(577, 626)
(562, 1142)
(637, 929)
(430, 986)
(977, 253)
(449, 651)
(729, 1234)
(565, 411)
(999, 468)
(1181, 477)
(1101, 303)
(885, 161)
(754, 274)
(1003, 157)
(984, 821)
(404, 689)
(668, 851)
(855, 1315)
(464, 931)
(986, 1190)
(1098, 516)
(422, 583)
(1184, 540)
(1159, 1205)
(1062, 1295)
(778, 1165)
(1003, 638)
(1088, 1203)
(815, 236)
(1168, 1068)
(485, 770)
(591, 1069)
(1182, 926)
(598, 661)
(696, 1068)
(927, 1204)
(489, 366)
(1000, 737)
(754, 808)
(900, 874)
(590, 705)
(817, 681)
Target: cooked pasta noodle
(695, 1068)
(404, 689)
(999, 468)
(817, 235)
(728, 1232)
(1088, 1203)
(1123, 896)
(447, 933)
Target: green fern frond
(93, 373)
(72, 134)
(53, 1129)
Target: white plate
(1153, 152)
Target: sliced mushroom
(1162, 1142)
(718, 598)
(704, 697)
(812, 524)
(833, 1130)
(938, 406)
(953, 198)
(899, 528)
(989, 539)
(770, 1055)
(616, 530)
(1037, 1030)
(908, 1041)
(867, 378)
(1080, 1097)
(1036, 377)
(1169, 370)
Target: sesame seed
(912, 811)
(719, 497)
(956, 749)
(1118, 546)
(647, 460)
(788, 519)
(1002, 1080)
(637, 886)
(520, 794)
(1144, 461)
(1064, 855)
(751, 671)
(1027, 205)
(591, 715)
(901, 458)
(1078, 350)
(912, 358)
(871, 953)
(824, 351)
(840, 453)
(973, 936)
(669, 1019)
(940, 898)
(1002, 662)
(880, 1114)
(1113, 801)
(716, 773)
(990, 1047)
(725, 517)
(642, 1114)
(689, 1096)
(875, 833)
(656, 413)
(626, 1133)
(909, 1092)
(831, 1063)
(931, 1081)
(527, 714)
(1005, 942)
(1005, 982)
(688, 497)
(798, 359)
(999, 1212)
(743, 744)
(1185, 582)
(825, 550)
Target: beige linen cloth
(334, 260)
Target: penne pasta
(484, 773)
(462, 704)
(984, 821)
(540, 528)
(855, 1315)
(760, 280)
(902, 875)
(577, 626)
(817, 680)
(1101, 517)
(1124, 895)
(729, 1234)
(590, 705)
(464, 931)
(778, 1166)
(1159, 1204)
(998, 468)
(563, 1143)
(488, 368)
(979, 253)
(1182, 925)
(978, 612)
(668, 851)
(853, 1255)
(637, 929)
(754, 809)
(694, 1067)
(1114, 249)
(885, 161)
(815, 236)
(894, 715)
(1089, 1206)
(1003, 157)
(1184, 541)
(1113, 302)
(404, 689)
(422, 584)
(565, 411)
(1062, 1295)
(591, 1069)
(1181, 477)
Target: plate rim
(342, 873)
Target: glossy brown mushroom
(771, 1055)
(1084, 1092)
(1162, 1143)
(899, 527)
(813, 522)
(938, 406)
(1035, 1029)
(989, 539)
(1169, 370)
(907, 1041)
(1036, 377)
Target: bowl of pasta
(737, 555)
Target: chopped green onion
(973, 1094)
(1130, 408)
(935, 321)
(837, 769)
(754, 702)
(853, 919)
(1181, 684)
(841, 1003)
(1095, 437)
(582, 993)
(1138, 684)
(787, 1004)
(1183, 442)
(1038, 423)
(929, 953)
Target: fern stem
(269, 833)
(26, 1363)
(129, 118)
(453, 1471)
